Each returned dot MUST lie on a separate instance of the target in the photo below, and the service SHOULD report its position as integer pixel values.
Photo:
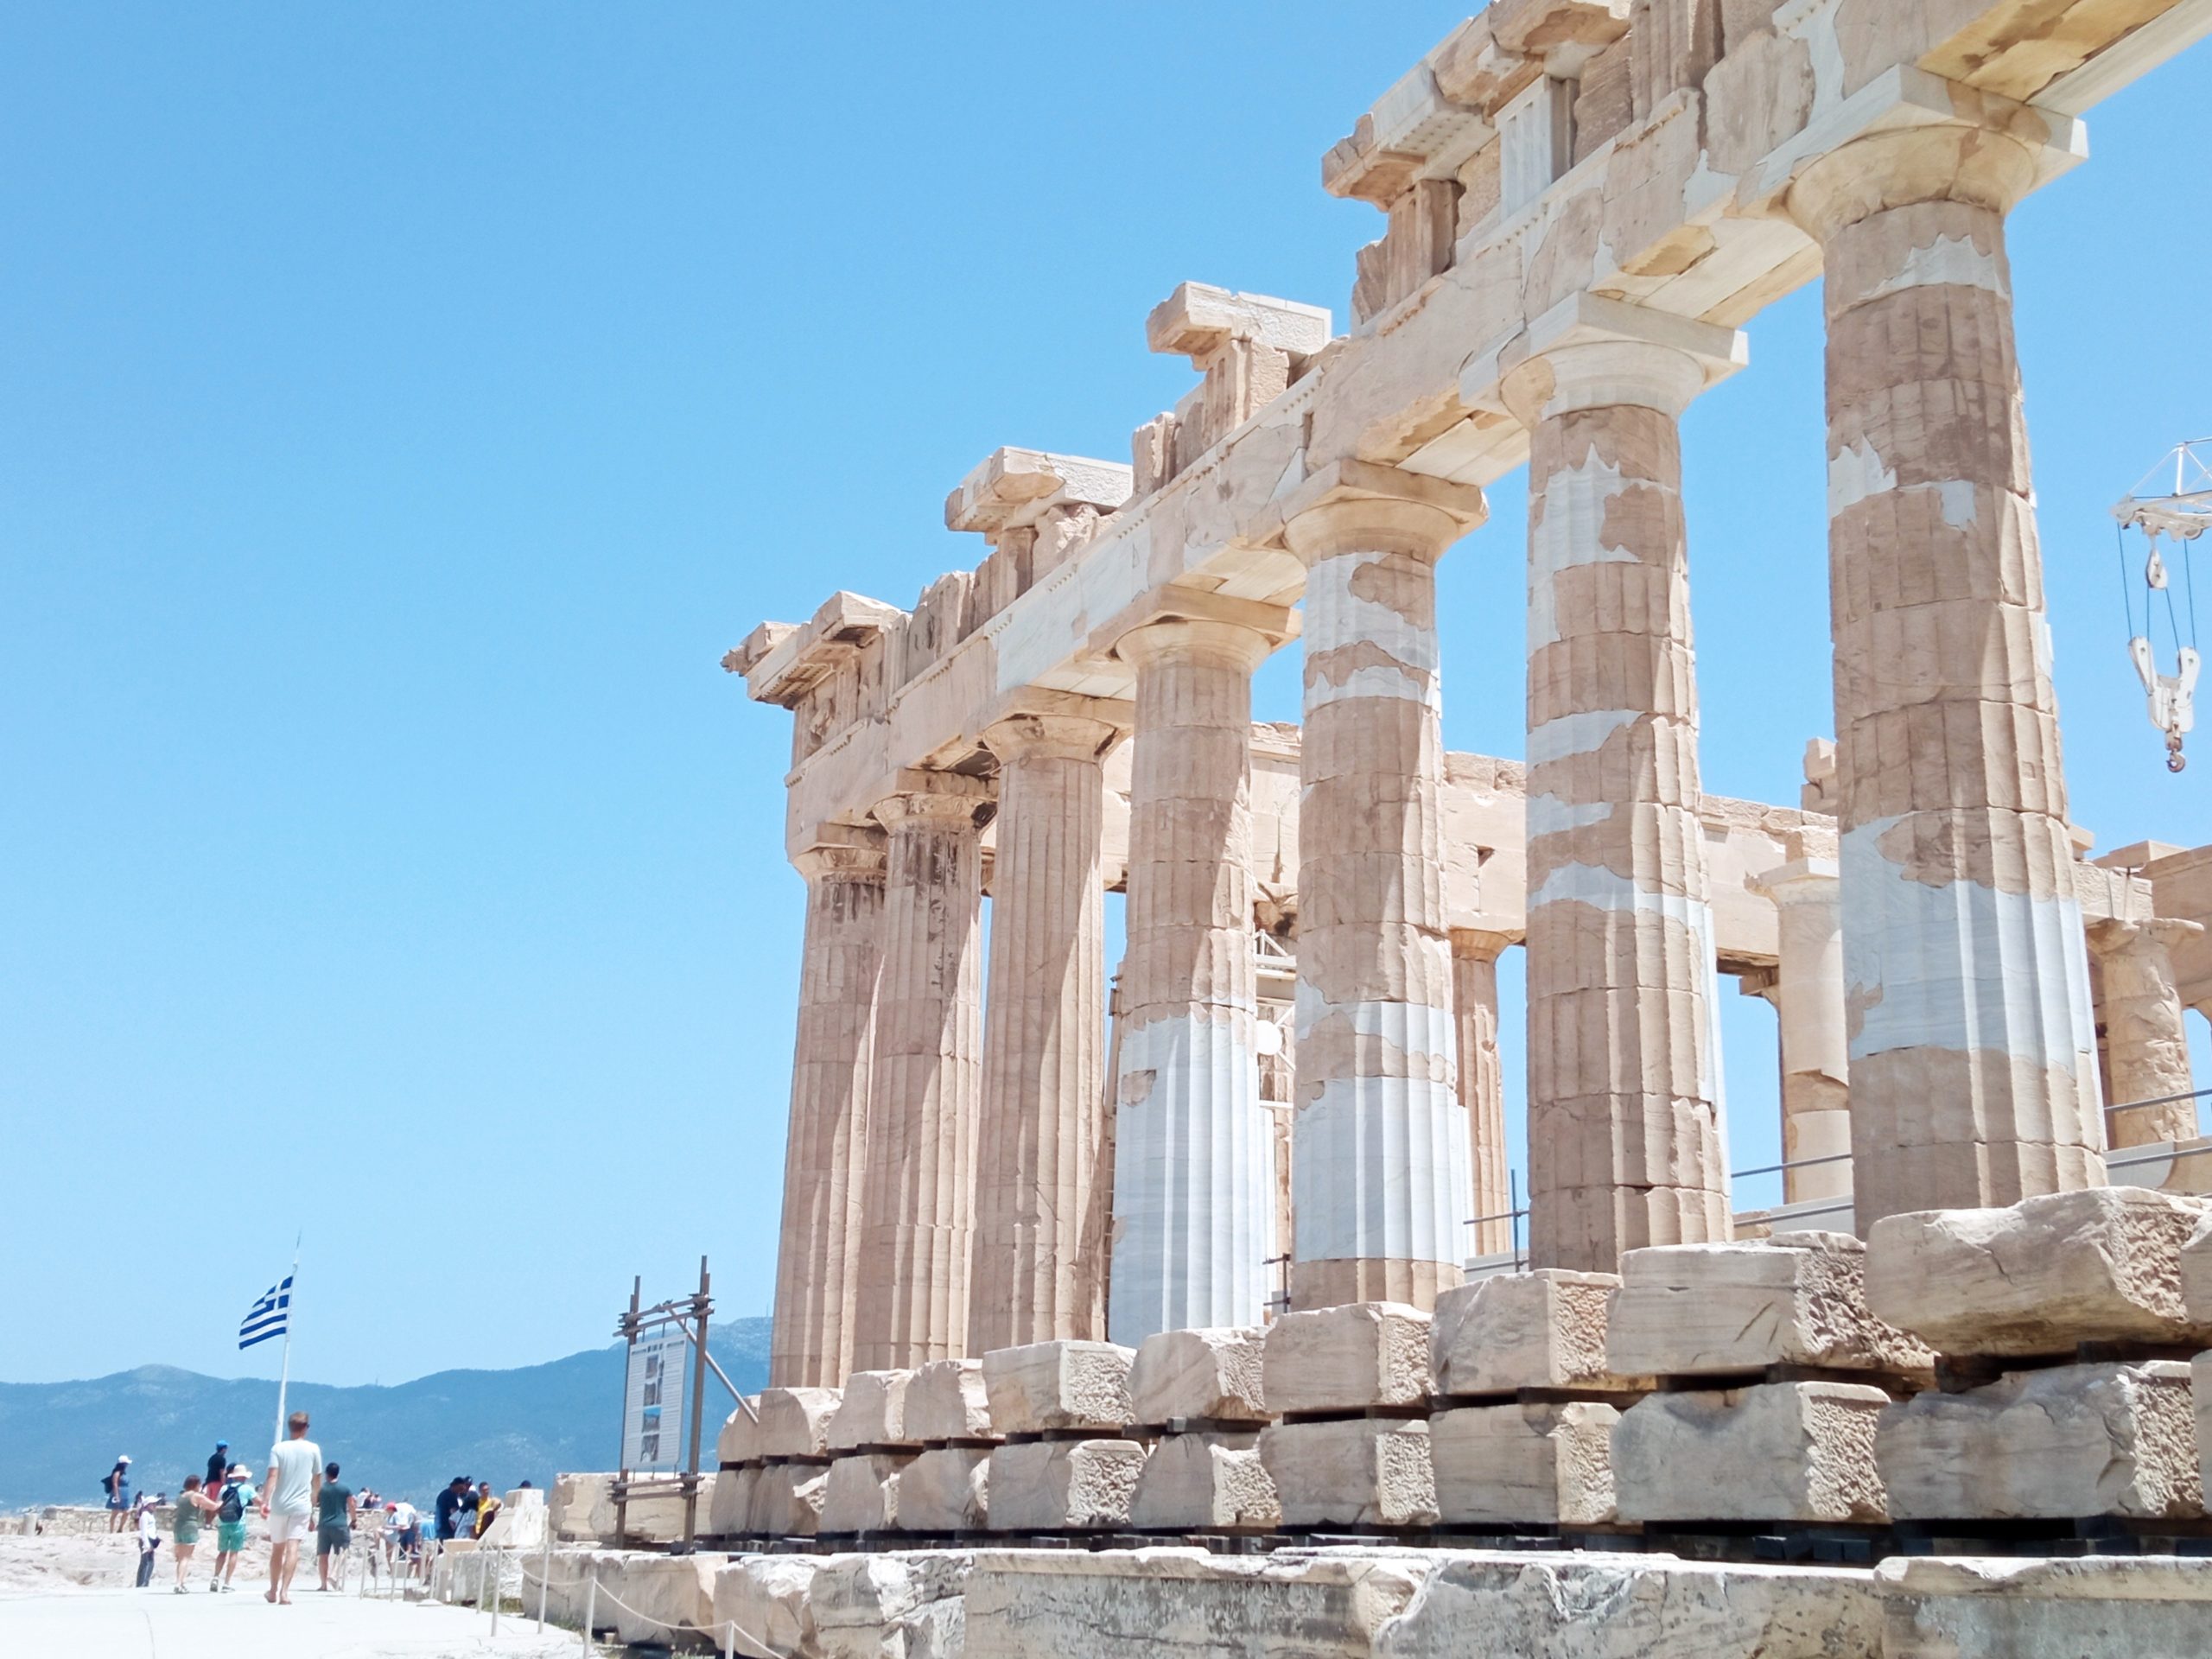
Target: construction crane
(2179, 515)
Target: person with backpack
(194, 1508)
(117, 1485)
(230, 1523)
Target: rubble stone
(882, 1606)
(1777, 1452)
(1352, 1471)
(731, 1510)
(787, 1500)
(2070, 1441)
(1197, 1481)
(2103, 1264)
(1056, 1485)
(862, 1493)
(1211, 1376)
(739, 1438)
(768, 1601)
(1046, 1386)
(946, 1489)
(1549, 1464)
(1347, 1358)
(1794, 1298)
(946, 1401)
(1539, 1330)
(2146, 1606)
(872, 1412)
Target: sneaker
(180, 1589)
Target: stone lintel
(1042, 703)
(2137, 855)
(1588, 351)
(1413, 133)
(1012, 488)
(1199, 319)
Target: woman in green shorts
(193, 1509)
(230, 1511)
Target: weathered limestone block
(2070, 1441)
(787, 1500)
(946, 1401)
(1354, 1471)
(1046, 1386)
(1777, 1451)
(946, 1489)
(1541, 1464)
(872, 1411)
(582, 1509)
(1794, 1298)
(1347, 1358)
(1194, 1482)
(795, 1422)
(2201, 1395)
(1539, 1330)
(862, 1493)
(766, 1601)
(1055, 1486)
(2149, 1607)
(520, 1524)
(740, 1439)
(1474, 1606)
(880, 1607)
(660, 1519)
(2102, 1264)
(653, 1593)
(1023, 1603)
(2197, 1272)
(731, 1510)
(1212, 1376)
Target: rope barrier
(727, 1631)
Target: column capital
(1798, 879)
(1210, 626)
(1024, 737)
(1481, 944)
(1359, 507)
(919, 792)
(1989, 163)
(2110, 935)
(1589, 351)
(855, 852)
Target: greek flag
(270, 1316)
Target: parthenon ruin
(1288, 1121)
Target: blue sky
(407, 404)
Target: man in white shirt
(287, 1502)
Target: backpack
(232, 1509)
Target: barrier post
(591, 1608)
(545, 1575)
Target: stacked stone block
(1773, 1373)
(1065, 1465)
(947, 1488)
(2066, 1334)
(1351, 1384)
(1526, 1402)
(871, 1448)
(1202, 1396)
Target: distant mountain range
(57, 1440)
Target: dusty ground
(72, 1599)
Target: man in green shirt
(334, 1530)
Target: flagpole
(284, 1371)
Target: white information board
(653, 1404)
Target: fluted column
(1193, 1173)
(1482, 1086)
(1808, 998)
(817, 1266)
(1380, 1167)
(1973, 1077)
(1043, 1113)
(919, 1194)
(2140, 1017)
(1626, 1146)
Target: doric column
(1482, 1086)
(1626, 1145)
(818, 1266)
(1807, 997)
(1193, 1171)
(1380, 1169)
(2140, 1018)
(1974, 1077)
(1043, 1112)
(919, 1194)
